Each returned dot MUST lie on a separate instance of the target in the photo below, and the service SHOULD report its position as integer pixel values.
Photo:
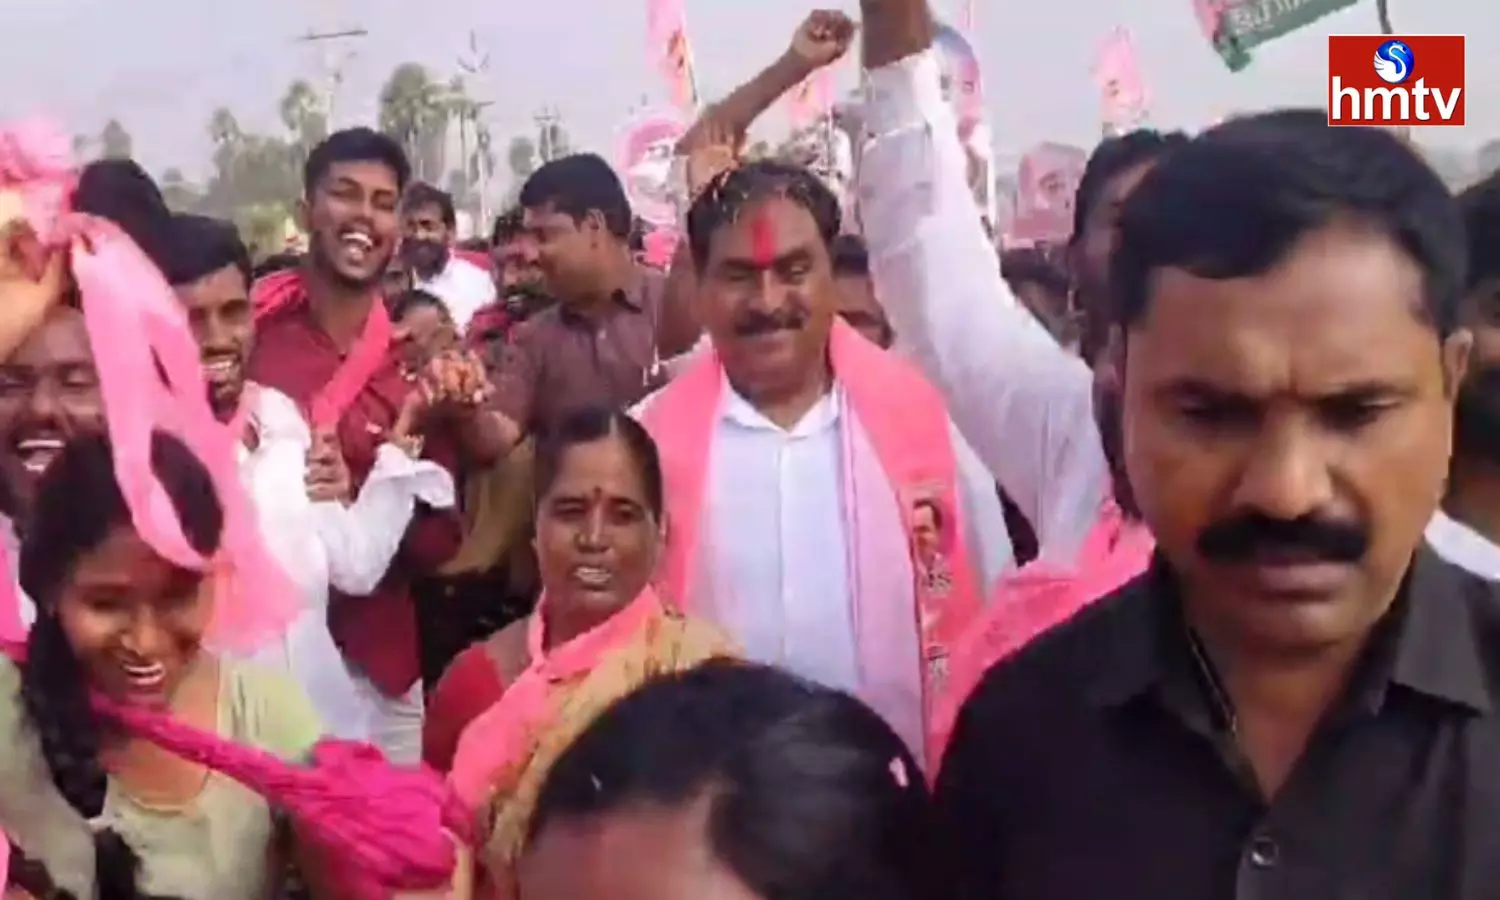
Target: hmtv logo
(1384, 80)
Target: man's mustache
(755, 322)
(1253, 537)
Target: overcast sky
(161, 66)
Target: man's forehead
(371, 174)
(542, 214)
(775, 227)
(219, 286)
(1308, 325)
(61, 340)
(424, 212)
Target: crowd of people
(826, 562)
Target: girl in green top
(94, 814)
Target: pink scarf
(1037, 597)
(907, 423)
(381, 829)
(503, 734)
(284, 289)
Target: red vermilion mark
(762, 239)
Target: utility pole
(329, 41)
(477, 66)
(546, 123)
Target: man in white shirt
(298, 483)
(428, 220)
(1466, 530)
(1025, 403)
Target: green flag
(1246, 24)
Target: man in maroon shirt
(328, 337)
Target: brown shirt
(560, 359)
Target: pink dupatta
(907, 423)
(1035, 598)
(501, 736)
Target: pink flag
(812, 99)
(668, 46)
(1045, 186)
(1118, 74)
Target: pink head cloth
(138, 332)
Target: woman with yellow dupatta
(598, 633)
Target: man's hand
(711, 154)
(823, 38)
(454, 384)
(327, 474)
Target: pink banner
(668, 46)
(1123, 96)
(811, 100)
(1045, 188)
(963, 82)
(644, 161)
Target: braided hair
(732, 192)
(78, 505)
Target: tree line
(256, 178)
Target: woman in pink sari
(599, 631)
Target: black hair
(638, 231)
(851, 257)
(812, 796)
(201, 246)
(507, 227)
(1232, 202)
(355, 145)
(577, 184)
(122, 192)
(277, 262)
(421, 194)
(1023, 265)
(408, 300)
(587, 424)
(1113, 157)
(1481, 210)
(727, 196)
(77, 505)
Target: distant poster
(963, 82)
(1046, 185)
(645, 164)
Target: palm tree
(304, 115)
(520, 157)
(414, 111)
(223, 127)
(116, 141)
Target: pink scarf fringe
(381, 828)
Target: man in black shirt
(1297, 701)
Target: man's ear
(1458, 350)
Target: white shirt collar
(823, 415)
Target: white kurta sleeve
(1022, 401)
(361, 539)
